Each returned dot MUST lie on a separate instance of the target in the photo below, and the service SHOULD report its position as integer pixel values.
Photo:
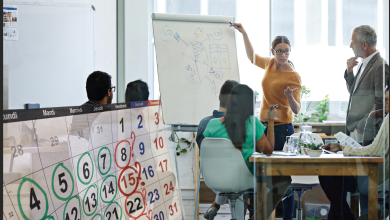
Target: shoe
(211, 213)
(365, 216)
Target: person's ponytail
(291, 64)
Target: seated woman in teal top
(237, 125)
(216, 128)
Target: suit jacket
(368, 95)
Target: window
(282, 17)
(331, 22)
(222, 7)
(313, 18)
(356, 13)
(183, 7)
(320, 32)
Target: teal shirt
(215, 129)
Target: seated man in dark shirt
(226, 88)
(137, 91)
(99, 92)
(99, 89)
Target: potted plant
(305, 93)
(312, 149)
(323, 109)
(190, 144)
(318, 115)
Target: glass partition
(283, 115)
(325, 109)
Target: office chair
(223, 169)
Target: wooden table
(326, 165)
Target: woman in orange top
(281, 85)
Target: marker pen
(274, 106)
(231, 23)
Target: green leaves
(320, 114)
(179, 150)
(323, 109)
(305, 93)
(311, 146)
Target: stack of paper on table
(278, 153)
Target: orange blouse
(274, 83)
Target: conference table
(326, 165)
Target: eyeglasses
(113, 89)
(280, 52)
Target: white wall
(105, 32)
(136, 25)
(386, 28)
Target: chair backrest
(223, 167)
(304, 180)
(315, 138)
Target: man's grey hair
(365, 33)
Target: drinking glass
(305, 133)
(295, 144)
(289, 145)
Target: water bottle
(305, 133)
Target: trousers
(335, 189)
(281, 132)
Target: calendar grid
(11, 202)
(149, 158)
(39, 155)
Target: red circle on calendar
(127, 155)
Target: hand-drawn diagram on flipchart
(195, 55)
(204, 60)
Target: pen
(274, 106)
(231, 23)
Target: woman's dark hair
(238, 110)
(98, 83)
(225, 91)
(137, 91)
(281, 39)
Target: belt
(275, 123)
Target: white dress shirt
(363, 65)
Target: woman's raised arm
(248, 45)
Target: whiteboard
(50, 62)
(195, 55)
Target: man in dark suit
(366, 95)
(366, 87)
